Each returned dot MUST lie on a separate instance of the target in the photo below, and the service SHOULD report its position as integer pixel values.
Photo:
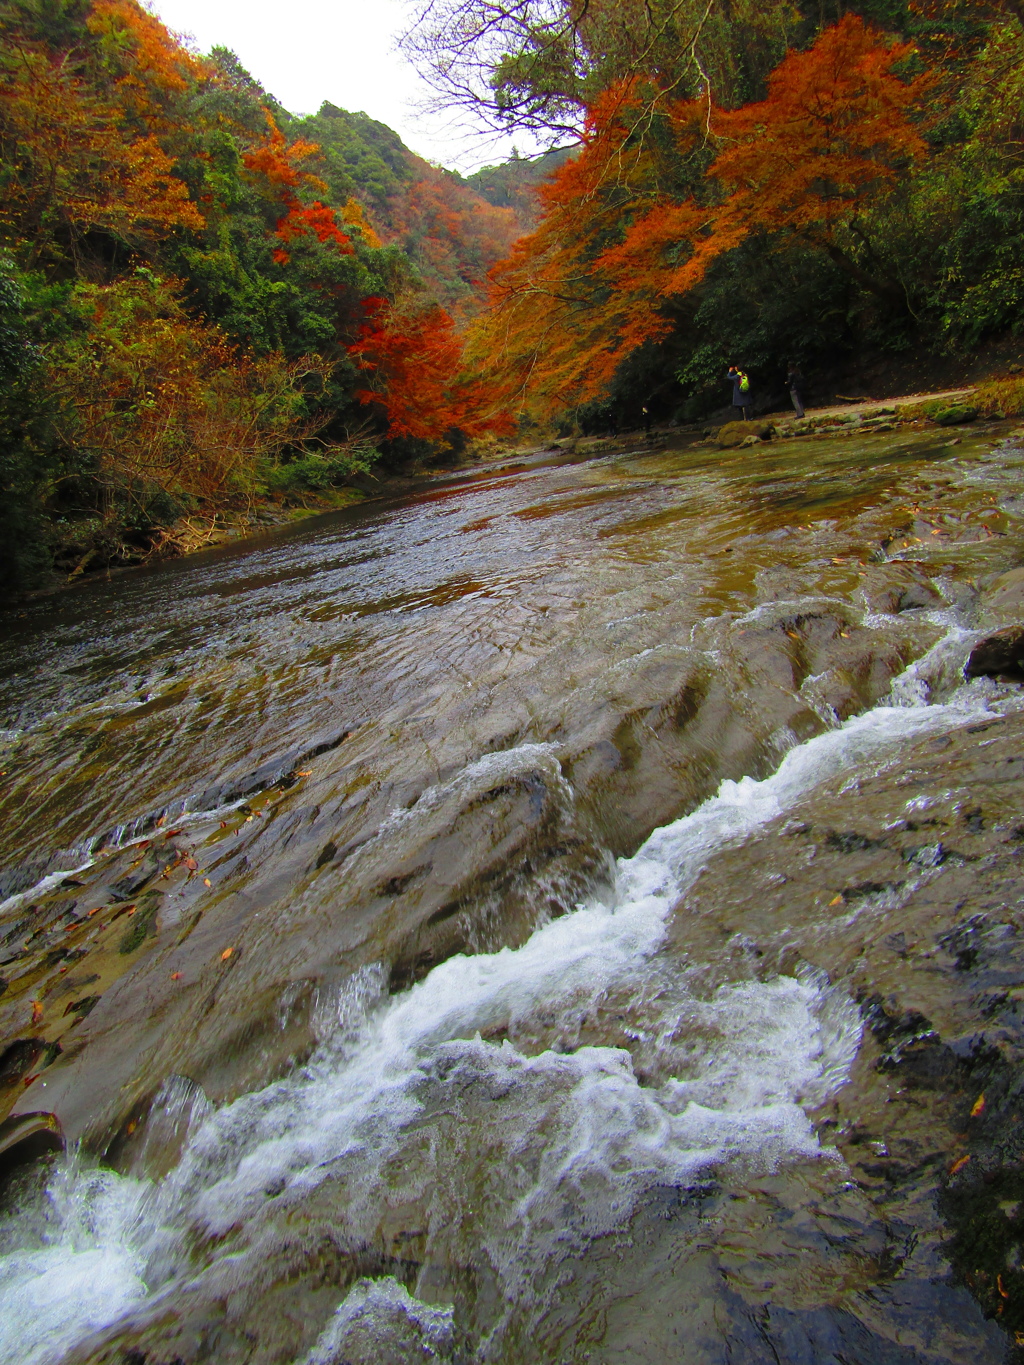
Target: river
(368, 929)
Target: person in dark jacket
(795, 384)
(740, 391)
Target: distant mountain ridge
(513, 184)
(452, 228)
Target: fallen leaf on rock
(191, 864)
(171, 833)
(959, 1165)
(207, 882)
(304, 772)
(836, 900)
(226, 954)
(37, 1011)
(979, 1105)
(175, 976)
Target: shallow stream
(350, 926)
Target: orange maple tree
(416, 375)
(148, 69)
(73, 166)
(613, 250)
(276, 167)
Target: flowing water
(346, 914)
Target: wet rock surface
(399, 787)
(999, 656)
(907, 891)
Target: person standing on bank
(795, 384)
(740, 391)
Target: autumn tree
(151, 399)
(615, 254)
(413, 362)
(540, 65)
(70, 166)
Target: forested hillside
(756, 183)
(515, 183)
(205, 300)
(452, 232)
(202, 299)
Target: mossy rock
(955, 415)
(735, 433)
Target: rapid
(358, 928)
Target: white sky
(308, 51)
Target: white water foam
(563, 1157)
(382, 1313)
(78, 1266)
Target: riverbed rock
(736, 433)
(384, 887)
(25, 1137)
(1002, 600)
(905, 892)
(956, 415)
(919, 596)
(999, 656)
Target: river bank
(565, 912)
(220, 527)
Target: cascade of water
(579, 1137)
